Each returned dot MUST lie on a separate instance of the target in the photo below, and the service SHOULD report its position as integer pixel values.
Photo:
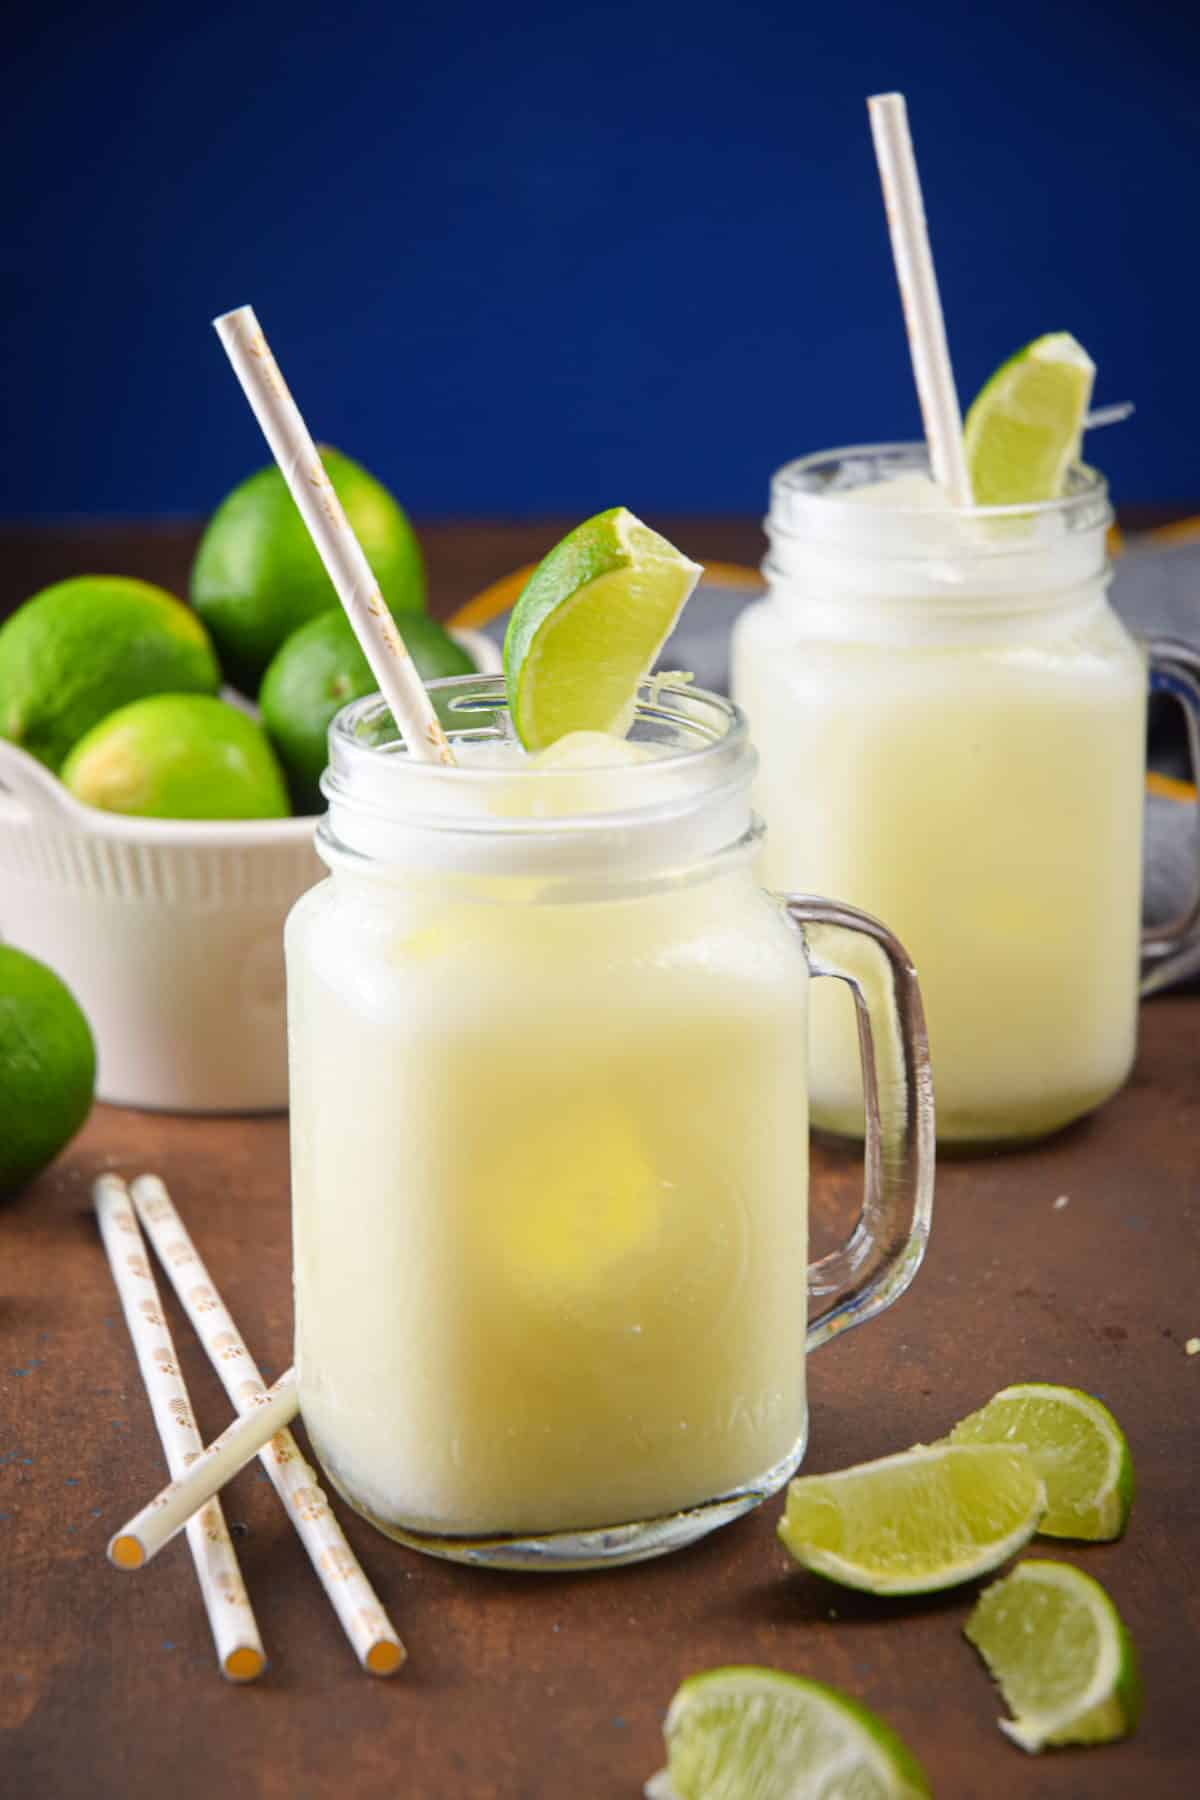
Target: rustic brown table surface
(523, 1687)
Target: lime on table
(1077, 1447)
(47, 1067)
(83, 647)
(257, 575)
(910, 1524)
(1023, 433)
(318, 670)
(588, 625)
(178, 756)
(1059, 1653)
(758, 1734)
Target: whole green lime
(83, 647)
(319, 669)
(47, 1067)
(257, 576)
(178, 756)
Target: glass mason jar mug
(951, 723)
(548, 1046)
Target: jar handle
(885, 1249)
(1175, 671)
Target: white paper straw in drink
(329, 528)
(206, 1474)
(235, 1632)
(363, 1619)
(919, 296)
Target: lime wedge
(733, 1734)
(588, 625)
(1025, 426)
(910, 1524)
(1054, 1643)
(1077, 1447)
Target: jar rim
(385, 804)
(798, 483)
(365, 728)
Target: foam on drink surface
(600, 761)
(577, 750)
(912, 490)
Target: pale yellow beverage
(611, 1220)
(951, 724)
(549, 1146)
(565, 1128)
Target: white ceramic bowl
(169, 933)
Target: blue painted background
(534, 258)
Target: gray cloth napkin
(1156, 590)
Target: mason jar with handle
(549, 1073)
(951, 721)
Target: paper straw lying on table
(146, 1533)
(371, 1634)
(300, 465)
(919, 295)
(235, 1633)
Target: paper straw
(144, 1536)
(371, 1633)
(919, 295)
(235, 1632)
(329, 528)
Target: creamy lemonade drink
(951, 721)
(549, 1068)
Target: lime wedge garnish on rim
(910, 1524)
(736, 1733)
(588, 625)
(1059, 1653)
(1077, 1447)
(1023, 432)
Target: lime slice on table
(757, 1734)
(1023, 432)
(1077, 1447)
(1055, 1645)
(910, 1524)
(588, 625)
